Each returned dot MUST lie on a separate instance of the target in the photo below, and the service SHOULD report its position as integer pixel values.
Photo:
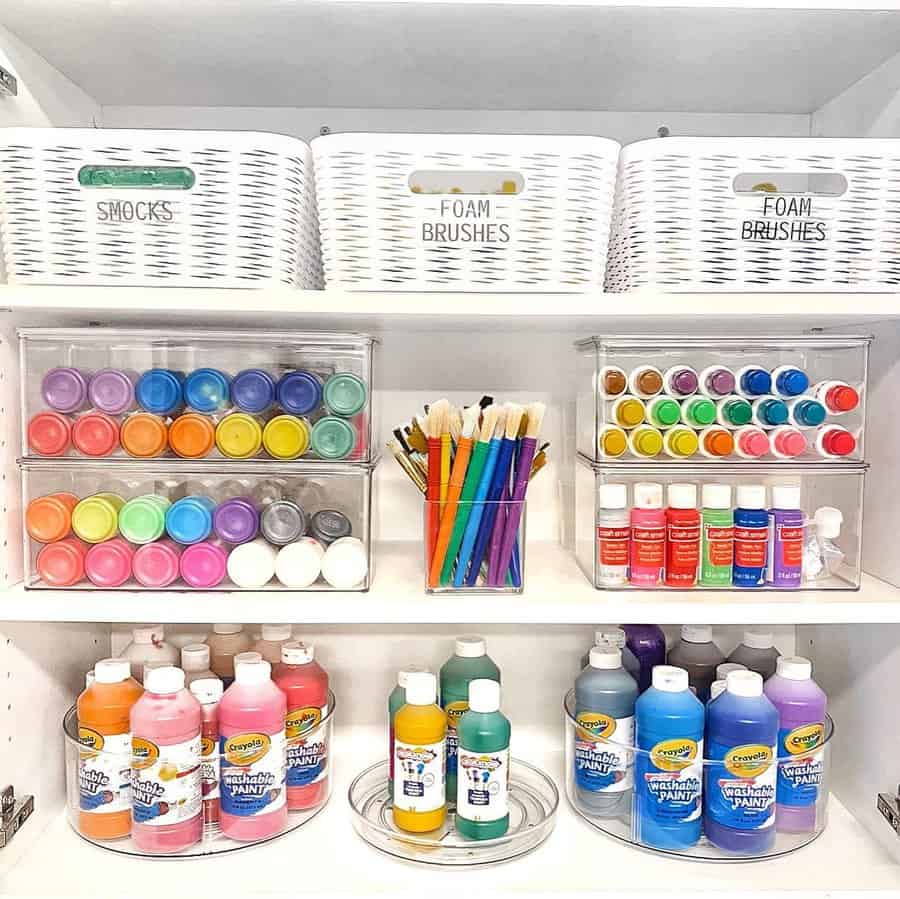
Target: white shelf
(326, 857)
(556, 593)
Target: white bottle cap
(252, 674)
(744, 683)
(470, 646)
(716, 496)
(404, 673)
(297, 653)
(606, 657)
(154, 633)
(725, 668)
(648, 496)
(207, 690)
(612, 496)
(421, 688)
(167, 679)
(828, 522)
(345, 563)
(227, 628)
(751, 496)
(299, 564)
(696, 633)
(195, 657)
(88, 678)
(273, 633)
(484, 695)
(615, 636)
(794, 668)
(252, 564)
(786, 496)
(670, 679)
(246, 658)
(716, 688)
(111, 671)
(759, 639)
(682, 496)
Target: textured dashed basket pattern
(678, 224)
(248, 220)
(372, 222)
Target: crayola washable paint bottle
(757, 652)
(469, 662)
(741, 738)
(482, 797)
(605, 694)
(165, 768)
(696, 653)
(252, 746)
(648, 643)
(420, 753)
(104, 765)
(396, 701)
(800, 702)
(668, 767)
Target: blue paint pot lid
(159, 390)
(207, 390)
(253, 390)
(299, 392)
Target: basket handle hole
(810, 184)
(456, 181)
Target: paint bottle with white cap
(751, 536)
(613, 535)
(784, 557)
(252, 565)
(345, 564)
(299, 564)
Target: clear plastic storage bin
(818, 548)
(159, 525)
(90, 768)
(677, 768)
(681, 398)
(230, 395)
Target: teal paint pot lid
(344, 394)
(332, 438)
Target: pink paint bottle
(157, 564)
(252, 748)
(165, 766)
(203, 565)
(108, 564)
(648, 535)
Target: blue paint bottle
(668, 767)
(740, 778)
(751, 536)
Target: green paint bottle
(716, 536)
(482, 799)
(469, 662)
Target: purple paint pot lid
(685, 381)
(64, 389)
(253, 390)
(236, 521)
(721, 381)
(299, 392)
(112, 391)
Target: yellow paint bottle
(420, 757)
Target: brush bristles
(500, 426)
(488, 423)
(437, 420)
(514, 413)
(469, 421)
(456, 424)
(536, 413)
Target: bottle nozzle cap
(404, 673)
(470, 646)
(612, 496)
(794, 668)
(167, 679)
(744, 683)
(696, 633)
(297, 653)
(683, 496)
(484, 695)
(725, 668)
(195, 657)
(614, 636)
(786, 496)
(605, 657)
(759, 639)
(751, 496)
(252, 673)
(648, 496)
(207, 690)
(421, 688)
(111, 671)
(153, 634)
(716, 496)
(670, 679)
(828, 522)
(716, 688)
(227, 628)
(274, 632)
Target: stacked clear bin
(199, 460)
(732, 411)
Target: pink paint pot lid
(157, 564)
(108, 564)
(790, 443)
(754, 443)
(204, 565)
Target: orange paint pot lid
(719, 442)
(61, 564)
(96, 434)
(192, 436)
(49, 518)
(144, 435)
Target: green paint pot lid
(332, 438)
(344, 394)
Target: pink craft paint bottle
(204, 565)
(157, 564)
(108, 564)
(165, 767)
(252, 748)
(648, 536)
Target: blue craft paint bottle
(751, 536)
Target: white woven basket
(679, 223)
(243, 214)
(379, 234)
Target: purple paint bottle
(784, 556)
(648, 643)
(236, 520)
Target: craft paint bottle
(751, 442)
(61, 564)
(225, 642)
(645, 442)
(95, 434)
(627, 412)
(648, 535)
(166, 724)
(806, 412)
(784, 558)
(252, 565)
(239, 436)
(344, 394)
(801, 703)
(752, 382)
(612, 442)
(615, 636)
(680, 442)
(833, 442)
(109, 564)
(286, 437)
(208, 692)
(611, 381)
(282, 522)
(482, 798)
(698, 412)
(698, 655)
(682, 536)
(734, 412)
(740, 782)
(605, 694)
(299, 564)
(680, 381)
(716, 442)
(788, 380)
(111, 390)
(157, 564)
(96, 518)
(757, 652)
(143, 519)
(838, 397)
(160, 391)
(207, 390)
(613, 534)
(769, 412)
(716, 536)
(716, 382)
(668, 768)
(299, 392)
(49, 434)
(645, 381)
(144, 435)
(787, 442)
(333, 438)
(195, 663)
(204, 565)
(396, 701)
(236, 520)
(192, 436)
(253, 391)
(65, 389)
(751, 530)
(329, 525)
(420, 757)
(648, 643)
(663, 412)
(49, 518)
(189, 520)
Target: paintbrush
(434, 422)
(407, 465)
